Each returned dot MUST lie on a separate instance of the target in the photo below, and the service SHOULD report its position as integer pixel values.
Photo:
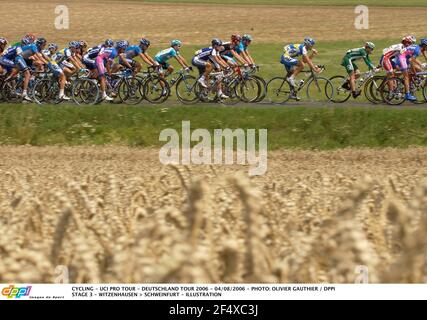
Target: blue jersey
(164, 55)
(29, 50)
(412, 51)
(12, 52)
(133, 51)
(108, 53)
(240, 48)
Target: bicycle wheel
(278, 90)
(417, 89)
(156, 90)
(372, 89)
(85, 91)
(129, 91)
(340, 94)
(320, 89)
(231, 91)
(249, 89)
(9, 91)
(46, 91)
(186, 90)
(393, 91)
(263, 88)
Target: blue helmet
(216, 42)
(309, 41)
(74, 44)
(52, 46)
(122, 44)
(176, 43)
(144, 42)
(423, 42)
(109, 43)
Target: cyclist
(293, 65)
(68, 59)
(126, 59)
(406, 59)
(50, 55)
(3, 45)
(242, 49)
(423, 45)
(104, 62)
(14, 61)
(231, 51)
(352, 69)
(163, 56)
(208, 59)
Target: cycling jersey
(206, 54)
(294, 50)
(389, 55)
(354, 55)
(412, 51)
(105, 55)
(164, 55)
(29, 50)
(92, 53)
(133, 51)
(63, 55)
(13, 52)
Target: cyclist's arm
(181, 61)
(425, 54)
(248, 57)
(369, 62)
(108, 65)
(416, 63)
(238, 57)
(221, 62)
(122, 56)
(147, 59)
(308, 60)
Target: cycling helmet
(122, 44)
(53, 46)
(423, 42)
(309, 41)
(40, 42)
(176, 43)
(370, 45)
(3, 41)
(144, 42)
(216, 42)
(109, 43)
(408, 40)
(29, 38)
(247, 37)
(236, 38)
(74, 44)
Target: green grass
(387, 3)
(300, 127)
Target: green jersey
(359, 54)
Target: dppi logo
(15, 292)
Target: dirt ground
(196, 24)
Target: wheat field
(116, 215)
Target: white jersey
(394, 50)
